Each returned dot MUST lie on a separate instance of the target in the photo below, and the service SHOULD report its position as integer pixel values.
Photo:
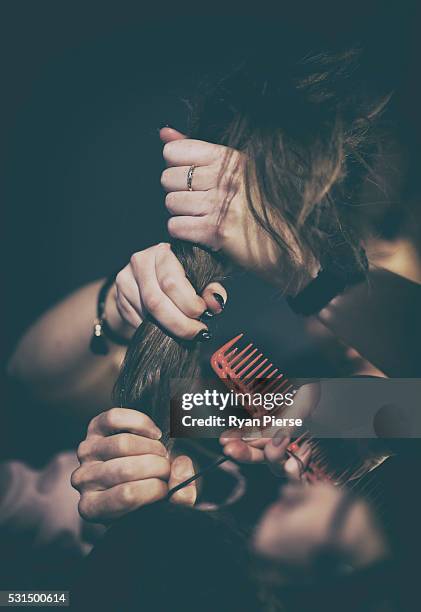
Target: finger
(106, 474)
(250, 435)
(230, 434)
(193, 229)
(159, 305)
(124, 419)
(215, 297)
(121, 499)
(119, 445)
(173, 282)
(128, 295)
(188, 151)
(275, 453)
(181, 469)
(175, 178)
(168, 134)
(296, 465)
(127, 312)
(190, 203)
(240, 451)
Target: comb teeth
(247, 369)
(239, 364)
(247, 372)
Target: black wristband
(102, 330)
(317, 294)
(340, 269)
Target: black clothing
(165, 558)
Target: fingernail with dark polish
(203, 336)
(206, 315)
(220, 300)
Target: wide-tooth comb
(247, 371)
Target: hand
(124, 466)
(215, 214)
(154, 282)
(253, 446)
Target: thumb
(167, 134)
(181, 469)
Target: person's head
(307, 131)
(311, 140)
(166, 557)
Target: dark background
(84, 88)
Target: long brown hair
(308, 134)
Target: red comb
(247, 370)
(244, 369)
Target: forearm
(54, 361)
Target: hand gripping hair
(308, 133)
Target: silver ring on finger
(190, 173)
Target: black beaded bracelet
(102, 330)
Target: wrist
(251, 247)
